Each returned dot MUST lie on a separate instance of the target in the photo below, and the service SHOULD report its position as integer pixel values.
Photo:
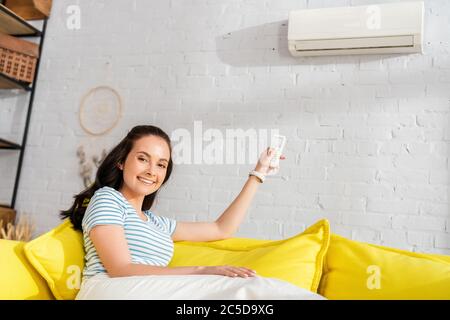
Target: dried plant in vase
(20, 231)
(86, 167)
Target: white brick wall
(367, 135)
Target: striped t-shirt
(149, 241)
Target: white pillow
(191, 287)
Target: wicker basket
(30, 9)
(18, 58)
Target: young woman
(122, 237)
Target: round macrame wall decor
(100, 110)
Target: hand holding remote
(277, 144)
(269, 161)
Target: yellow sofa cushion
(356, 270)
(440, 257)
(58, 256)
(18, 279)
(297, 260)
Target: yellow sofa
(50, 266)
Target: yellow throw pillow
(18, 279)
(356, 270)
(440, 257)
(297, 260)
(58, 256)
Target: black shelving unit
(5, 144)
(10, 83)
(14, 25)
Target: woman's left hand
(263, 165)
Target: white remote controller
(277, 142)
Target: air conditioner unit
(373, 29)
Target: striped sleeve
(104, 209)
(165, 223)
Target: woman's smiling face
(145, 166)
